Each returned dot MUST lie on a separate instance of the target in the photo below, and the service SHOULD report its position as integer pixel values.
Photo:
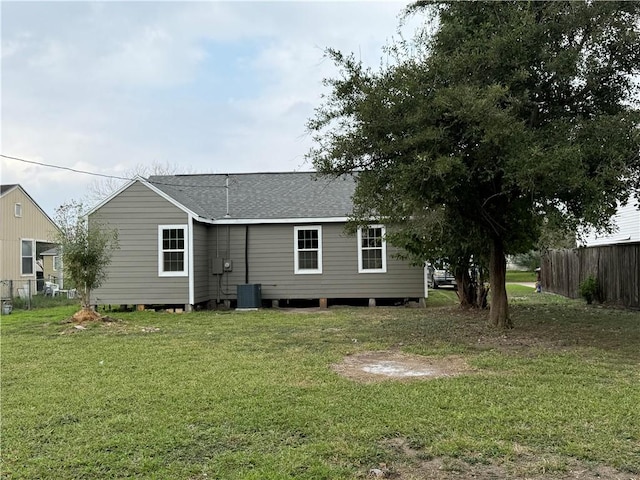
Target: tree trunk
(465, 288)
(470, 288)
(85, 298)
(499, 313)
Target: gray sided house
(192, 239)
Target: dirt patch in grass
(306, 310)
(85, 315)
(415, 464)
(394, 365)
(82, 319)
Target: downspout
(191, 263)
(246, 254)
(218, 277)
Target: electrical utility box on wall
(217, 266)
(228, 265)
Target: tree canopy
(503, 118)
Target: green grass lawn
(252, 395)
(517, 276)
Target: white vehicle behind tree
(436, 277)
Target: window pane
(307, 239)
(308, 260)
(173, 239)
(372, 259)
(27, 248)
(173, 261)
(27, 265)
(372, 238)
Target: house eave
(293, 220)
(156, 190)
(36, 204)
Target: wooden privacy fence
(617, 268)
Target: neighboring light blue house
(192, 239)
(627, 228)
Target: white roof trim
(114, 194)
(156, 190)
(16, 185)
(219, 221)
(256, 221)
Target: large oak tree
(503, 115)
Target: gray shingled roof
(261, 195)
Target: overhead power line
(60, 167)
(115, 177)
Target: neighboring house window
(372, 250)
(57, 263)
(26, 254)
(307, 249)
(18, 210)
(172, 250)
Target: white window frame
(383, 247)
(296, 267)
(17, 210)
(33, 257)
(57, 263)
(185, 271)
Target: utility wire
(115, 177)
(42, 164)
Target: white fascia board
(11, 190)
(156, 190)
(256, 221)
(192, 287)
(169, 199)
(110, 197)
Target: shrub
(589, 289)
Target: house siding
(267, 258)
(51, 274)
(32, 225)
(271, 264)
(627, 220)
(133, 273)
(201, 266)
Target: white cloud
(209, 86)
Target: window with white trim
(17, 210)
(307, 249)
(57, 263)
(372, 249)
(172, 250)
(27, 248)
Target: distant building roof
(6, 188)
(261, 195)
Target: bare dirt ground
(377, 366)
(524, 466)
(392, 365)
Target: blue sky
(204, 87)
